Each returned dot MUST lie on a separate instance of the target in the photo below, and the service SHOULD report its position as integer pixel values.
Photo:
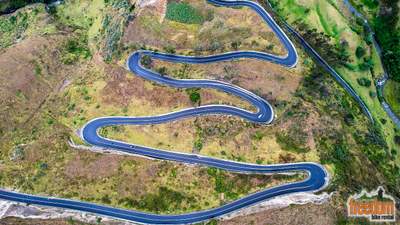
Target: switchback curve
(317, 175)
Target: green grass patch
(392, 95)
(9, 6)
(24, 23)
(12, 28)
(371, 4)
(290, 143)
(79, 13)
(76, 49)
(324, 23)
(85, 15)
(163, 201)
(183, 13)
(297, 10)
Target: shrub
(349, 119)
(38, 69)
(236, 44)
(367, 64)
(360, 52)
(290, 143)
(75, 49)
(258, 135)
(170, 49)
(106, 199)
(12, 28)
(214, 46)
(18, 154)
(334, 54)
(163, 71)
(269, 47)
(113, 34)
(372, 94)
(165, 199)
(397, 139)
(340, 153)
(9, 6)
(259, 161)
(198, 145)
(365, 82)
(146, 61)
(194, 95)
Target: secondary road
(380, 84)
(317, 176)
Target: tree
(334, 54)
(365, 82)
(194, 96)
(385, 27)
(163, 71)
(170, 49)
(367, 64)
(270, 47)
(360, 52)
(146, 61)
(236, 44)
(98, 220)
(397, 139)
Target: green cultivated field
(183, 13)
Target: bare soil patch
(296, 215)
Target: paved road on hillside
(380, 84)
(317, 176)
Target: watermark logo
(376, 206)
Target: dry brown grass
(226, 26)
(23, 90)
(298, 214)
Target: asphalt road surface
(317, 176)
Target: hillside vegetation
(66, 66)
(387, 28)
(54, 82)
(345, 45)
(384, 18)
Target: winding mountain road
(317, 176)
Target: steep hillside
(64, 66)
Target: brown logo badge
(376, 206)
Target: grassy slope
(51, 167)
(370, 9)
(216, 141)
(392, 89)
(392, 95)
(27, 22)
(9, 6)
(36, 157)
(300, 117)
(318, 14)
(83, 14)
